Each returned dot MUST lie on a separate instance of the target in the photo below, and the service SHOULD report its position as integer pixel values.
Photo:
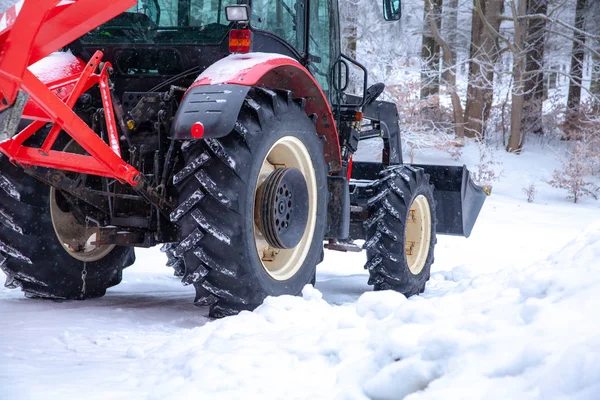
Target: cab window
(281, 17)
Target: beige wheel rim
(418, 234)
(283, 264)
(74, 237)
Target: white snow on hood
(55, 66)
(229, 67)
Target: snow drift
(519, 333)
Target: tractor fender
(216, 98)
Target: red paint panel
(102, 160)
(111, 126)
(79, 130)
(41, 28)
(44, 26)
(66, 74)
(27, 156)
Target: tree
(534, 84)
(430, 50)
(483, 57)
(449, 60)
(594, 28)
(451, 28)
(574, 96)
(516, 139)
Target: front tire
(401, 233)
(226, 254)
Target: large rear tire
(220, 189)
(32, 256)
(401, 233)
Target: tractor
(223, 131)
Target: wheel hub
(77, 238)
(418, 234)
(283, 205)
(282, 246)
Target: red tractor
(220, 129)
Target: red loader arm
(30, 31)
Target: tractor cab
(178, 38)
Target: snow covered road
(510, 313)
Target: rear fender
(216, 97)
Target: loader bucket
(458, 199)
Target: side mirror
(392, 10)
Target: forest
(502, 72)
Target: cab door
(324, 41)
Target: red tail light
(197, 130)
(239, 40)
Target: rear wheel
(401, 233)
(252, 207)
(44, 250)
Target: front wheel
(252, 207)
(401, 233)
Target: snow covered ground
(510, 313)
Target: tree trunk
(349, 37)
(534, 79)
(594, 9)
(517, 136)
(595, 84)
(430, 52)
(483, 55)
(448, 54)
(350, 30)
(451, 28)
(574, 97)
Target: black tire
(31, 255)
(172, 261)
(390, 205)
(216, 215)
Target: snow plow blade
(458, 199)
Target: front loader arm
(29, 31)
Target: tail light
(239, 40)
(197, 130)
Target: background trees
(515, 69)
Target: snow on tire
(172, 261)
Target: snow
(510, 313)
(236, 66)
(9, 188)
(56, 66)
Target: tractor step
(113, 236)
(345, 246)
